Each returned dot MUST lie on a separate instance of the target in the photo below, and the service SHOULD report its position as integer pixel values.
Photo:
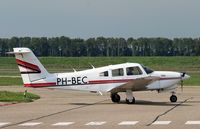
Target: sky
(95, 18)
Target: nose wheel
(115, 98)
(173, 98)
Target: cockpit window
(104, 74)
(118, 72)
(147, 70)
(133, 71)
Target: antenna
(92, 66)
(74, 70)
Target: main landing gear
(131, 100)
(129, 97)
(115, 97)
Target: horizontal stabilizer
(16, 52)
(20, 51)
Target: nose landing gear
(173, 98)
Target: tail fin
(30, 67)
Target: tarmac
(85, 110)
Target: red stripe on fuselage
(28, 65)
(48, 84)
(40, 84)
(124, 80)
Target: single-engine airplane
(126, 77)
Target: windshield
(147, 70)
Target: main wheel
(115, 98)
(173, 98)
(130, 102)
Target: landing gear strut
(115, 97)
(130, 99)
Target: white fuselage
(126, 77)
(94, 80)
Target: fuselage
(106, 78)
(126, 77)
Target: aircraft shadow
(138, 102)
(151, 103)
(83, 104)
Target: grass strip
(7, 96)
(11, 81)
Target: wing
(135, 84)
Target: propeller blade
(182, 76)
(181, 85)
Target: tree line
(101, 46)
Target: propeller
(181, 85)
(182, 76)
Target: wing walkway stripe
(161, 122)
(30, 124)
(192, 123)
(96, 123)
(63, 123)
(128, 123)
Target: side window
(118, 72)
(104, 74)
(133, 71)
